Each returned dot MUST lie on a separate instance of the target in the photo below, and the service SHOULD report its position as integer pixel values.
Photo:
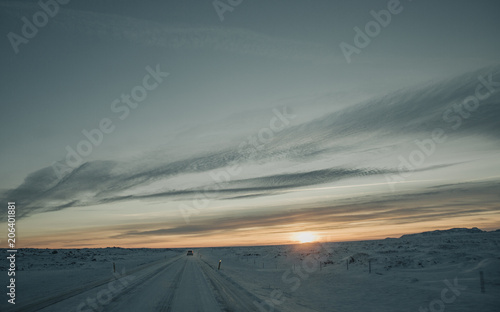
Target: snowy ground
(436, 271)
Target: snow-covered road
(183, 283)
(190, 291)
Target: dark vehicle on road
(190, 253)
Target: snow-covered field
(433, 271)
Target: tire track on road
(47, 302)
(234, 297)
(143, 279)
(166, 304)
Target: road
(184, 283)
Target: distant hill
(445, 232)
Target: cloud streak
(333, 148)
(432, 204)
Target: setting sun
(305, 237)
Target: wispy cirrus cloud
(350, 143)
(432, 204)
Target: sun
(305, 237)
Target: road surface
(184, 283)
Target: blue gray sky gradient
(260, 129)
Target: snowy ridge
(446, 232)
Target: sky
(225, 123)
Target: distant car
(190, 253)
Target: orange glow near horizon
(304, 237)
(101, 237)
